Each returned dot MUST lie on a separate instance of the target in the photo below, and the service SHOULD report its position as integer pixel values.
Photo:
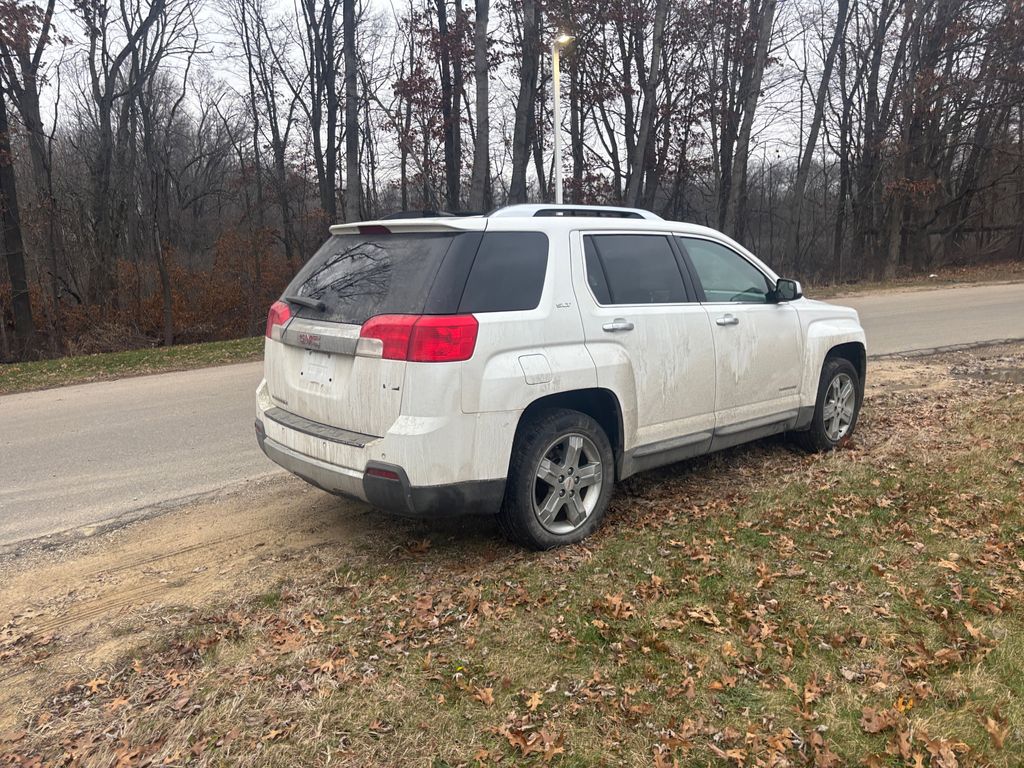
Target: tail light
(424, 338)
(280, 313)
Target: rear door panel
(662, 369)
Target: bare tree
(762, 19)
(818, 116)
(482, 145)
(159, 104)
(525, 114)
(322, 106)
(113, 40)
(24, 327)
(353, 191)
(642, 149)
(25, 35)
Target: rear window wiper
(302, 301)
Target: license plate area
(318, 369)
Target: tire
(823, 434)
(532, 490)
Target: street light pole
(556, 48)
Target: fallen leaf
(873, 721)
(116, 704)
(812, 691)
(485, 696)
(998, 731)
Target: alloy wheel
(837, 412)
(568, 482)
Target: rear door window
(633, 269)
(358, 276)
(507, 274)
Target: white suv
(522, 362)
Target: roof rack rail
(592, 211)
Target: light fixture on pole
(560, 42)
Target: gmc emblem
(310, 340)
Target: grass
(758, 607)
(43, 374)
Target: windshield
(358, 276)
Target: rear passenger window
(507, 274)
(633, 269)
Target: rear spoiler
(435, 224)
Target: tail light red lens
(280, 313)
(443, 339)
(424, 338)
(394, 331)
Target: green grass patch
(761, 607)
(43, 374)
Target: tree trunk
(451, 170)
(638, 160)
(5, 344)
(576, 130)
(482, 147)
(455, 53)
(734, 210)
(24, 328)
(806, 158)
(522, 135)
(353, 191)
(25, 96)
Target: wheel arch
(855, 352)
(600, 404)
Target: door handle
(728, 320)
(618, 324)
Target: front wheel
(560, 480)
(836, 408)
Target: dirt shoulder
(943, 277)
(750, 605)
(80, 605)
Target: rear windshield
(358, 276)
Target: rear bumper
(391, 494)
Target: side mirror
(787, 290)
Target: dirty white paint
(758, 360)
(676, 373)
(363, 394)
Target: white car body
(687, 378)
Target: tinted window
(724, 274)
(508, 273)
(633, 269)
(358, 276)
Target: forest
(167, 165)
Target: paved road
(916, 320)
(78, 456)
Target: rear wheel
(560, 480)
(836, 408)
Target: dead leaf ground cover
(758, 607)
